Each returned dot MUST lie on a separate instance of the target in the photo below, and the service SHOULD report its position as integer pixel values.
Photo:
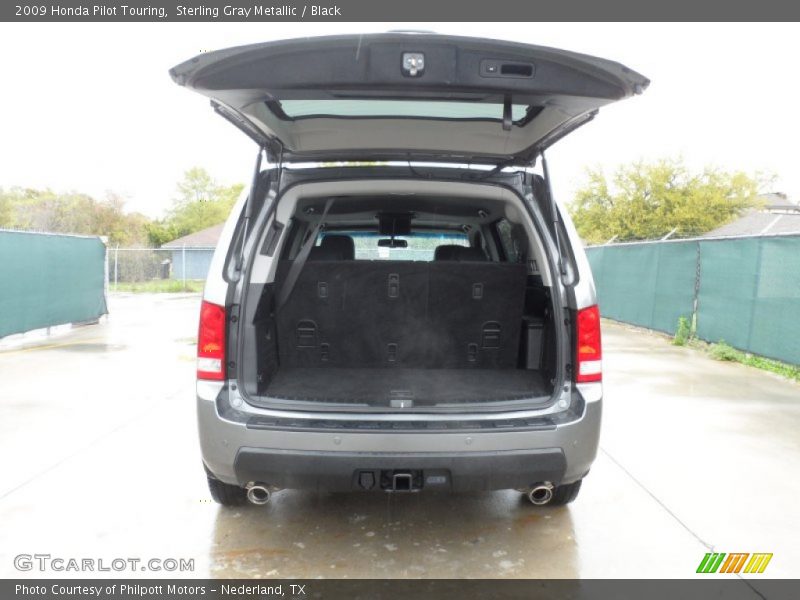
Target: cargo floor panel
(380, 387)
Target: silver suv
(398, 304)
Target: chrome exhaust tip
(258, 493)
(541, 493)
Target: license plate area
(401, 480)
(394, 480)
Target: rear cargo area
(397, 334)
(406, 387)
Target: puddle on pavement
(304, 534)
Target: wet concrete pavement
(100, 460)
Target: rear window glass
(420, 246)
(299, 109)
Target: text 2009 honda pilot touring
(399, 304)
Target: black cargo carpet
(379, 386)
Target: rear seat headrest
(459, 253)
(334, 247)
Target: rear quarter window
(510, 242)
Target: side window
(510, 242)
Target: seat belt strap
(300, 260)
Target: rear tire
(564, 494)
(226, 494)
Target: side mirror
(392, 243)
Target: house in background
(778, 215)
(193, 252)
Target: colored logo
(719, 562)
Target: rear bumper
(333, 460)
(345, 471)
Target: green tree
(648, 200)
(200, 203)
(46, 210)
(125, 229)
(196, 186)
(6, 210)
(160, 232)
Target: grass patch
(158, 286)
(725, 352)
(685, 336)
(684, 333)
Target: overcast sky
(91, 108)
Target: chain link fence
(133, 265)
(153, 265)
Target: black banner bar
(728, 588)
(397, 10)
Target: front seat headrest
(334, 247)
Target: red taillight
(211, 342)
(589, 364)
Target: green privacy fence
(49, 280)
(651, 285)
(745, 291)
(750, 295)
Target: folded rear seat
(460, 311)
(309, 323)
(384, 322)
(474, 309)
